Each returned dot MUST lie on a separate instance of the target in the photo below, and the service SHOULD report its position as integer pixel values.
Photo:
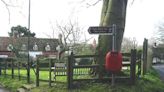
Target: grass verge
(149, 83)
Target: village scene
(81, 46)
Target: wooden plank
(5, 68)
(95, 66)
(126, 63)
(70, 71)
(61, 74)
(104, 79)
(145, 46)
(85, 56)
(126, 59)
(139, 64)
(60, 65)
(12, 69)
(92, 56)
(37, 73)
(60, 70)
(126, 54)
(50, 64)
(133, 66)
(19, 77)
(85, 66)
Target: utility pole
(28, 44)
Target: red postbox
(113, 62)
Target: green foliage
(21, 31)
(10, 84)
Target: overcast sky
(142, 17)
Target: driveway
(160, 70)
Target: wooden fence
(46, 65)
(11, 67)
(145, 50)
(74, 70)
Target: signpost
(110, 57)
(100, 30)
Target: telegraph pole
(28, 58)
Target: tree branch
(89, 5)
(132, 2)
(7, 7)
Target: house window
(35, 47)
(47, 48)
(10, 47)
(24, 47)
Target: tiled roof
(18, 42)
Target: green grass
(149, 83)
(11, 84)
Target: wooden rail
(129, 59)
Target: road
(3, 89)
(160, 69)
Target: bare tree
(128, 44)
(8, 5)
(159, 33)
(71, 35)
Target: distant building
(158, 51)
(45, 45)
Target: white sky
(142, 16)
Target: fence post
(50, 64)
(100, 67)
(70, 71)
(133, 66)
(5, 67)
(145, 46)
(139, 63)
(12, 68)
(19, 70)
(1, 67)
(37, 72)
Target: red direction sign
(100, 30)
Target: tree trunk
(113, 12)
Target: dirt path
(160, 70)
(3, 89)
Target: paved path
(3, 89)
(160, 70)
